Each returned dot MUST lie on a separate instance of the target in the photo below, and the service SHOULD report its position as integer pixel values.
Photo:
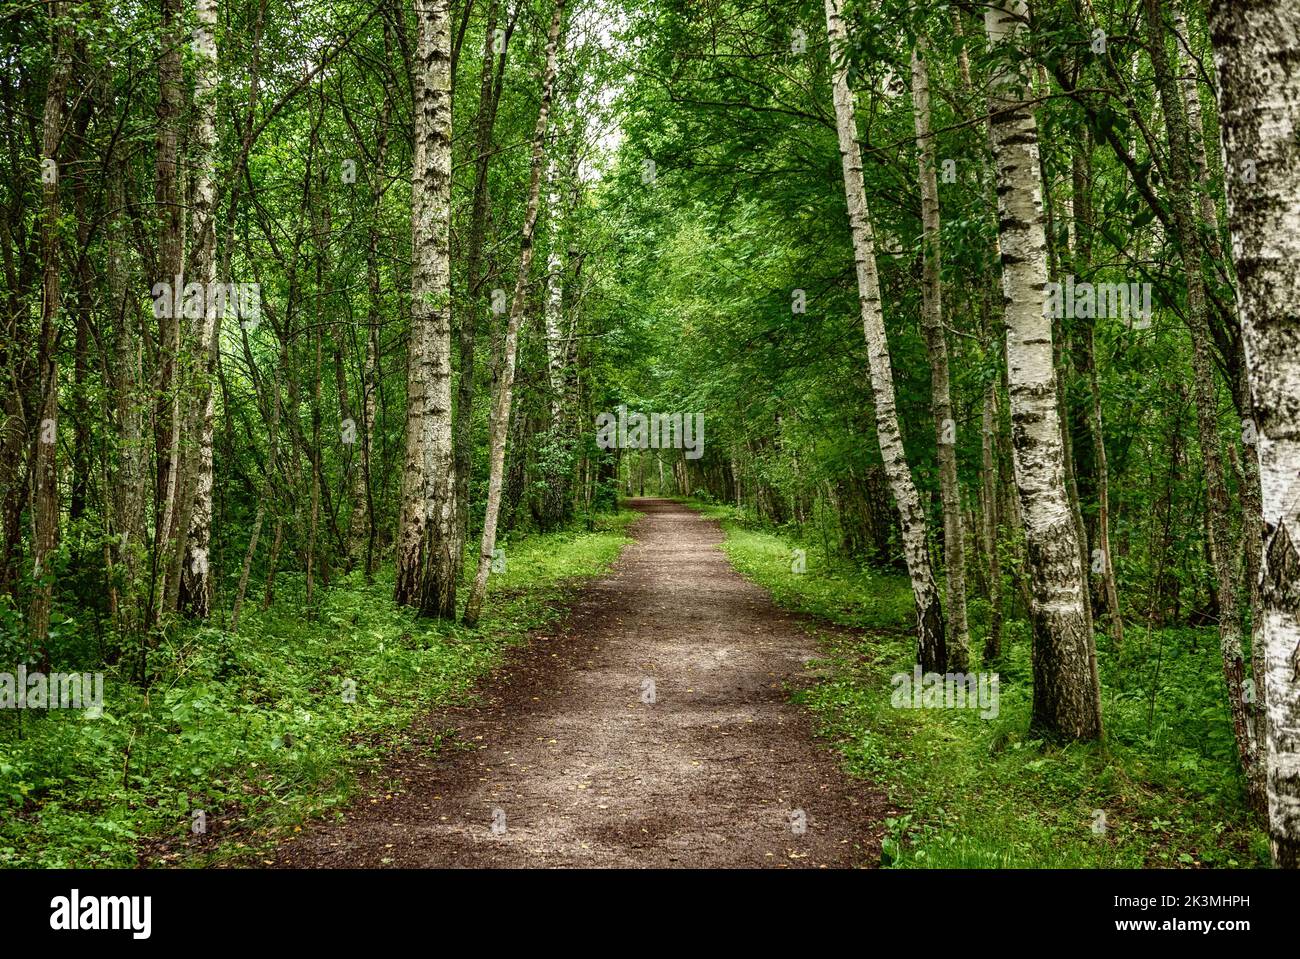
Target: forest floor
(653, 728)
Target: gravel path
(653, 730)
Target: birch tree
(495, 48)
(553, 313)
(425, 567)
(1066, 690)
(195, 583)
(1218, 521)
(936, 346)
(500, 420)
(1255, 46)
(931, 652)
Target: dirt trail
(575, 768)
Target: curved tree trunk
(1252, 532)
(501, 405)
(931, 651)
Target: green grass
(256, 729)
(979, 793)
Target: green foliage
(981, 794)
(257, 729)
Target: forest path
(580, 770)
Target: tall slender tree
(500, 421)
(1067, 696)
(1218, 520)
(45, 492)
(931, 649)
(425, 566)
(1256, 44)
(936, 346)
(168, 288)
(496, 44)
(195, 580)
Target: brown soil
(571, 766)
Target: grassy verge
(1162, 790)
(265, 729)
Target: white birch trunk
(195, 580)
(501, 402)
(1257, 53)
(554, 287)
(1066, 692)
(931, 653)
(424, 567)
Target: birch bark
(931, 653)
(1066, 691)
(1257, 55)
(425, 571)
(1218, 515)
(195, 597)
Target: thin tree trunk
(936, 345)
(1249, 486)
(501, 407)
(361, 522)
(127, 377)
(1102, 561)
(168, 270)
(989, 514)
(195, 585)
(1219, 520)
(553, 312)
(272, 564)
(247, 567)
(462, 437)
(931, 651)
(45, 497)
